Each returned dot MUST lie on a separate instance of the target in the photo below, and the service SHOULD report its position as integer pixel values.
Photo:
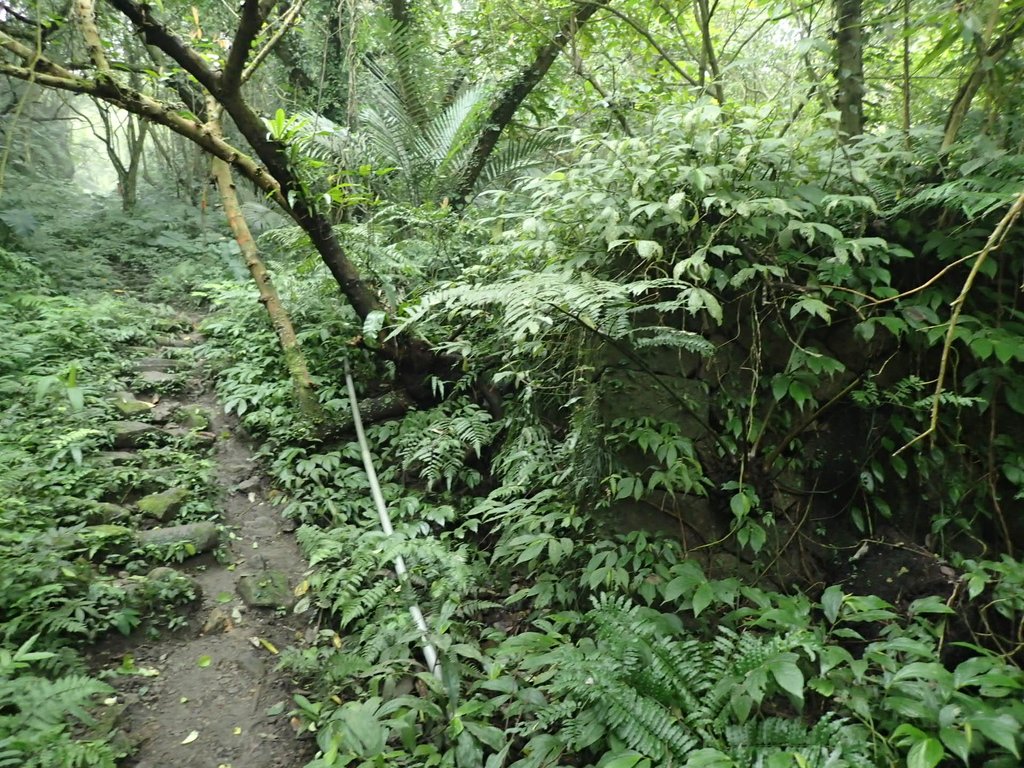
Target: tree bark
(850, 67)
(989, 54)
(302, 382)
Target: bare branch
(284, 25)
(156, 34)
(85, 16)
(249, 26)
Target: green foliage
(39, 715)
(642, 682)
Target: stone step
(161, 364)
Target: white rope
(429, 653)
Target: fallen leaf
(225, 597)
(269, 646)
(190, 738)
(302, 588)
(110, 701)
(183, 700)
(205, 661)
(237, 731)
(275, 709)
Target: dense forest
(640, 381)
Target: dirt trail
(217, 701)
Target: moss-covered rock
(193, 417)
(200, 537)
(164, 505)
(265, 589)
(133, 434)
(127, 405)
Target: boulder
(265, 589)
(106, 512)
(164, 505)
(133, 434)
(117, 458)
(163, 411)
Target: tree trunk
(850, 68)
(269, 297)
(989, 54)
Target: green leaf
(789, 677)
(648, 249)
(814, 307)
(372, 327)
(956, 741)
(926, 753)
(205, 661)
(1002, 729)
(76, 397)
(702, 598)
(488, 734)
(629, 760)
(831, 602)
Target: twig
(995, 240)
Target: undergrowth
(71, 570)
(569, 637)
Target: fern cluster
(436, 446)
(675, 698)
(38, 716)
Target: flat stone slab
(133, 434)
(164, 505)
(177, 342)
(158, 364)
(156, 378)
(265, 589)
(128, 405)
(202, 536)
(117, 458)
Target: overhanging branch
(155, 33)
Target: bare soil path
(209, 695)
